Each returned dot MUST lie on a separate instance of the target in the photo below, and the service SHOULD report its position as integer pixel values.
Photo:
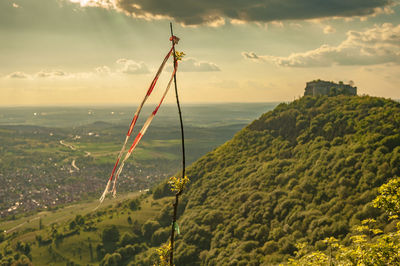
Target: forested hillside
(305, 171)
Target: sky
(97, 52)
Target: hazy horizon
(125, 105)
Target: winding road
(67, 145)
(73, 163)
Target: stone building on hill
(328, 88)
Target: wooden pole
(171, 258)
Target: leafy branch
(164, 254)
(178, 184)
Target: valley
(53, 156)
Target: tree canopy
(303, 172)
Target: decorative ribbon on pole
(132, 125)
(142, 131)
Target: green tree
(100, 251)
(40, 224)
(72, 225)
(389, 198)
(111, 260)
(149, 228)
(79, 220)
(369, 245)
(160, 236)
(110, 235)
(134, 204)
(90, 250)
(126, 239)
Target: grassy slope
(75, 248)
(61, 214)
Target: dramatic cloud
(377, 45)
(213, 12)
(192, 65)
(131, 67)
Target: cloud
(131, 67)
(40, 75)
(213, 12)
(377, 45)
(237, 22)
(124, 67)
(296, 26)
(193, 65)
(51, 74)
(251, 56)
(96, 3)
(278, 24)
(103, 70)
(329, 29)
(18, 75)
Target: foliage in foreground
(369, 245)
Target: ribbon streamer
(142, 131)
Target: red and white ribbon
(142, 131)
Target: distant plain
(51, 156)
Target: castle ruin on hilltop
(328, 88)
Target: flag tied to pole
(117, 169)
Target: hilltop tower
(328, 88)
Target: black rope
(171, 258)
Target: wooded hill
(305, 171)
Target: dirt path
(67, 145)
(74, 165)
(18, 226)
